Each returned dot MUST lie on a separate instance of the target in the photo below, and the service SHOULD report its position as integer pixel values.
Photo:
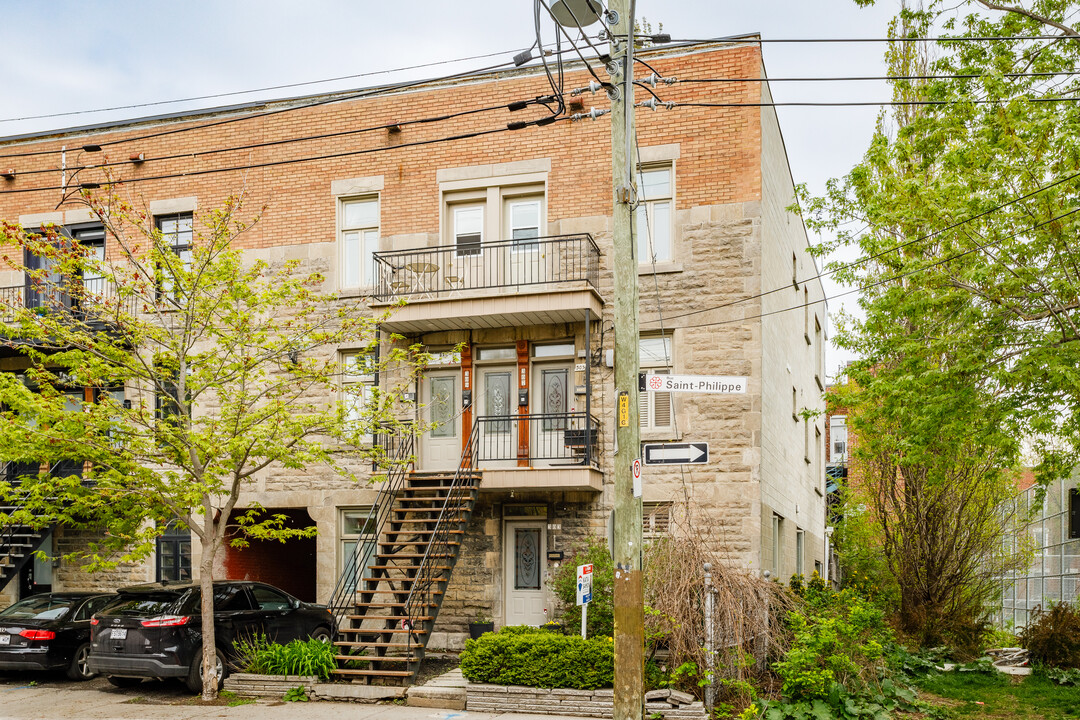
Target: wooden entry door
(497, 431)
(440, 446)
(525, 555)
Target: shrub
(529, 656)
(1052, 637)
(836, 638)
(601, 617)
(300, 657)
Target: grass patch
(1000, 697)
(233, 700)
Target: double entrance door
(503, 435)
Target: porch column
(523, 410)
(466, 410)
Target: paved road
(46, 697)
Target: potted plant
(480, 624)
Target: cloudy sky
(64, 57)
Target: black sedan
(155, 630)
(50, 632)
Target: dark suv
(155, 631)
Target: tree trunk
(206, 587)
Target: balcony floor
(571, 478)
(487, 308)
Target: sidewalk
(68, 701)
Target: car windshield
(41, 607)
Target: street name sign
(724, 384)
(693, 453)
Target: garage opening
(289, 565)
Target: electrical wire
(858, 78)
(278, 163)
(892, 278)
(743, 39)
(292, 108)
(887, 251)
(286, 141)
(254, 90)
(875, 103)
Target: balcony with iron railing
(534, 281)
(542, 451)
(95, 301)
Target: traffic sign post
(692, 453)
(584, 592)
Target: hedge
(520, 655)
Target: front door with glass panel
(525, 554)
(522, 228)
(441, 443)
(495, 409)
(551, 402)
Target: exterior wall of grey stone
(792, 453)
(73, 576)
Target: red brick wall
(719, 163)
(288, 565)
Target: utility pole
(628, 593)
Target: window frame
(365, 269)
(647, 234)
(360, 539)
(366, 381)
(176, 540)
(649, 402)
(167, 285)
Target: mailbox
(523, 397)
(466, 398)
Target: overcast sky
(66, 56)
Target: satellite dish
(576, 13)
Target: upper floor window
(357, 381)
(523, 221)
(359, 240)
(838, 439)
(468, 228)
(654, 408)
(178, 235)
(654, 214)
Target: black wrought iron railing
(448, 269)
(398, 449)
(432, 576)
(554, 438)
(94, 299)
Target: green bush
(521, 655)
(601, 617)
(1052, 637)
(300, 657)
(837, 638)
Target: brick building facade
(500, 242)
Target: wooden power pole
(629, 598)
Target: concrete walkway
(58, 701)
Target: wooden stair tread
(377, 658)
(421, 618)
(373, 643)
(380, 631)
(415, 555)
(375, 673)
(390, 604)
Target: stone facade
(730, 296)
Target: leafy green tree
(964, 210)
(191, 372)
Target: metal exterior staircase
(17, 541)
(387, 602)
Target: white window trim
(649, 431)
(341, 202)
(646, 260)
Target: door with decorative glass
(525, 554)
(551, 398)
(495, 406)
(521, 218)
(440, 445)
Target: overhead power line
(857, 78)
(900, 246)
(278, 163)
(742, 39)
(234, 93)
(876, 283)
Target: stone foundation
(561, 701)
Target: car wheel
(322, 635)
(195, 678)
(79, 669)
(123, 682)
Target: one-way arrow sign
(676, 453)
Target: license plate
(5, 639)
(119, 634)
